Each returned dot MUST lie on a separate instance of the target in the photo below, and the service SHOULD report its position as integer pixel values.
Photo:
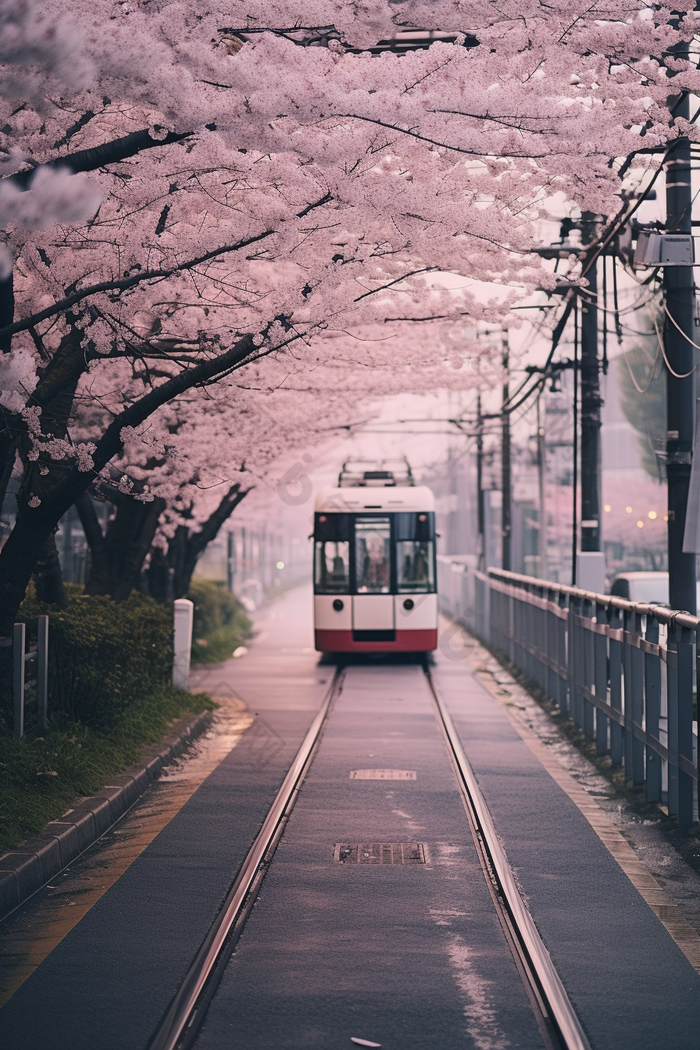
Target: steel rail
(183, 1014)
(538, 961)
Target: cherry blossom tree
(263, 185)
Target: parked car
(650, 587)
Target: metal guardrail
(623, 671)
(37, 660)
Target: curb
(30, 866)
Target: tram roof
(397, 498)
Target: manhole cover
(382, 774)
(379, 853)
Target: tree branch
(129, 282)
(100, 156)
(74, 482)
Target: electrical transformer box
(664, 249)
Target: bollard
(182, 642)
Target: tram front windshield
(373, 555)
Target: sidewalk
(628, 979)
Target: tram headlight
(338, 604)
(408, 604)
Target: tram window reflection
(332, 575)
(415, 564)
(372, 555)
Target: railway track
(557, 1021)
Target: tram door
(373, 602)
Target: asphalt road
(407, 955)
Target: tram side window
(372, 555)
(332, 574)
(415, 565)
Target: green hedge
(103, 656)
(220, 622)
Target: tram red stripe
(406, 642)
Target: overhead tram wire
(597, 248)
(590, 258)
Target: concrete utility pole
(481, 524)
(506, 524)
(591, 569)
(541, 494)
(680, 382)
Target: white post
(184, 615)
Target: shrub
(220, 622)
(103, 655)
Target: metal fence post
(541, 635)
(183, 618)
(18, 643)
(697, 716)
(563, 653)
(672, 702)
(600, 661)
(487, 609)
(575, 660)
(616, 734)
(627, 737)
(42, 683)
(652, 675)
(637, 704)
(588, 668)
(685, 726)
(550, 644)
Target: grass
(43, 776)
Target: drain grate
(382, 774)
(379, 853)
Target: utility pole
(480, 517)
(591, 570)
(230, 561)
(454, 545)
(542, 513)
(506, 523)
(680, 382)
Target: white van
(648, 587)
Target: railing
(622, 671)
(32, 691)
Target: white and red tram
(374, 566)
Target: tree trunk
(7, 311)
(34, 523)
(48, 576)
(8, 451)
(19, 556)
(170, 573)
(95, 541)
(119, 554)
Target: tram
(374, 564)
